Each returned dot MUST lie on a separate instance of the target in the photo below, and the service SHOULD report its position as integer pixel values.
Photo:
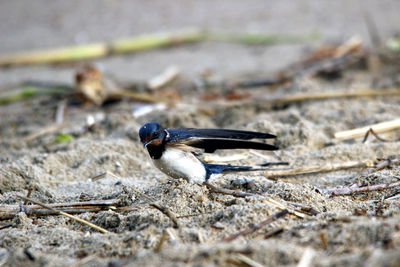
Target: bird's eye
(156, 134)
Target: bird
(175, 151)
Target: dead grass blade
(10, 211)
(235, 193)
(376, 128)
(98, 228)
(318, 168)
(357, 190)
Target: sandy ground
(357, 230)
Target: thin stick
(371, 131)
(59, 117)
(304, 208)
(145, 97)
(164, 78)
(306, 259)
(331, 95)
(317, 168)
(377, 128)
(10, 211)
(133, 44)
(31, 91)
(286, 206)
(6, 226)
(357, 190)
(30, 189)
(142, 43)
(384, 163)
(235, 193)
(248, 261)
(49, 129)
(98, 228)
(288, 99)
(256, 227)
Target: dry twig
(288, 99)
(248, 261)
(10, 211)
(384, 163)
(255, 227)
(377, 128)
(164, 78)
(306, 259)
(317, 168)
(49, 129)
(357, 190)
(142, 43)
(98, 228)
(330, 95)
(371, 131)
(235, 193)
(286, 206)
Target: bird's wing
(182, 133)
(212, 139)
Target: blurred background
(33, 25)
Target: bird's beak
(155, 142)
(145, 144)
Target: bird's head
(152, 134)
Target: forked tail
(227, 168)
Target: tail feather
(226, 168)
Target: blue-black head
(152, 134)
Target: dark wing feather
(211, 144)
(183, 133)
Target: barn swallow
(175, 151)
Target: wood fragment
(384, 163)
(163, 239)
(255, 227)
(330, 95)
(371, 131)
(304, 208)
(235, 193)
(377, 128)
(302, 97)
(317, 169)
(248, 261)
(47, 130)
(10, 211)
(59, 116)
(273, 233)
(357, 190)
(393, 197)
(6, 226)
(285, 206)
(161, 80)
(145, 97)
(98, 228)
(307, 258)
(324, 242)
(28, 195)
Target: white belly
(180, 164)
